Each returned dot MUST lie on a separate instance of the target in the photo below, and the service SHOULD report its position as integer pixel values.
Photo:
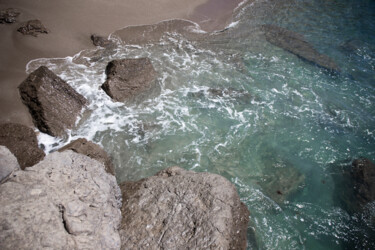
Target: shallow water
(276, 126)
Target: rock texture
(22, 142)
(53, 104)
(179, 209)
(92, 150)
(101, 41)
(67, 201)
(363, 176)
(8, 163)
(128, 78)
(33, 28)
(9, 15)
(296, 44)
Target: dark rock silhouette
(92, 150)
(53, 104)
(9, 15)
(363, 176)
(296, 44)
(179, 209)
(22, 142)
(128, 78)
(33, 28)
(101, 41)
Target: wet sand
(72, 22)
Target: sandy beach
(72, 22)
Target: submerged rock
(67, 201)
(296, 44)
(9, 15)
(8, 163)
(128, 78)
(53, 104)
(241, 96)
(33, 28)
(101, 41)
(22, 142)
(92, 150)
(179, 209)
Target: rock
(179, 209)
(128, 78)
(67, 201)
(33, 27)
(296, 44)
(8, 163)
(9, 15)
(53, 104)
(92, 150)
(363, 176)
(101, 41)
(22, 142)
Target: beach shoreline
(71, 23)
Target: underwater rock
(67, 201)
(92, 150)
(128, 78)
(33, 27)
(363, 176)
(101, 41)
(179, 209)
(8, 163)
(9, 15)
(53, 104)
(239, 95)
(22, 142)
(296, 44)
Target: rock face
(53, 104)
(92, 150)
(296, 44)
(179, 209)
(101, 41)
(8, 163)
(33, 28)
(363, 176)
(128, 78)
(67, 201)
(9, 15)
(22, 142)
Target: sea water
(278, 127)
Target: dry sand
(71, 23)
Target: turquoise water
(276, 126)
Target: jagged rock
(128, 78)
(33, 27)
(296, 44)
(67, 201)
(53, 104)
(179, 209)
(22, 142)
(92, 150)
(101, 41)
(363, 176)
(9, 15)
(8, 163)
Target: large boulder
(128, 78)
(22, 142)
(92, 150)
(53, 104)
(296, 44)
(9, 15)
(179, 209)
(67, 201)
(8, 163)
(33, 28)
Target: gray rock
(296, 44)
(53, 104)
(92, 150)
(9, 15)
(179, 209)
(33, 28)
(8, 163)
(101, 41)
(128, 78)
(67, 201)
(22, 142)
